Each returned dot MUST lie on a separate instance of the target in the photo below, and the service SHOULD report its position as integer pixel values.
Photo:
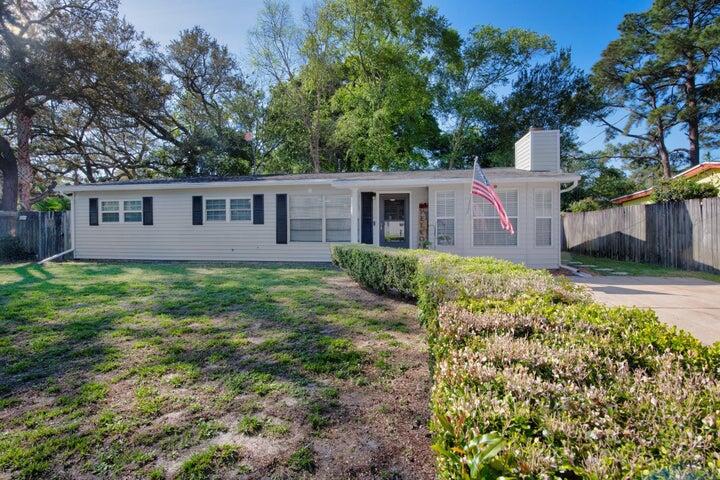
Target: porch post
(354, 216)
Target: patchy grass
(193, 371)
(635, 268)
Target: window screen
(215, 210)
(306, 218)
(445, 218)
(337, 218)
(486, 222)
(110, 211)
(543, 217)
(240, 209)
(132, 211)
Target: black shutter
(197, 212)
(93, 211)
(281, 218)
(259, 209)
(147, 210)
(366, 215)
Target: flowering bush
(533, 380)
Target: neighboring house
(708, 172)
(298, 217)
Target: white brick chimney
(538, 151)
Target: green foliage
(587, 204)
(681, 188)
(53, 204)
(208, 463)
(524, 364)
(12, 250)
(250, 425)
(302, 460)
(383, 270)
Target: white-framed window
(215, 209)
(121, 211)
(337, 218)
(445, 218)
(318, 218)
(240, 209)
(543, 217)
(110, 211)
(132, 211)
(306, 218)
(486, 222)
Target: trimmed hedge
(534, 380)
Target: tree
(302, 66)
(663, 71)
(685, 37)
(40, 48)
(679, 189)
(486, 59)
(552, 95)
(384, 106)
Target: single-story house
(708, 172)
(297, 217)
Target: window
(306, 218)
(215, 210)
(125, 211)
(445, 218)
(486, 222)
(240, 209)
(337, 218)
(132, 211)
(311, 214)
(543, 217)
(110, 211)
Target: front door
(394, 216)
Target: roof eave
(334, 182)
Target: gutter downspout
(571, 187)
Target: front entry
(394, 216)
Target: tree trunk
(24, 168)
(693, 123)
(8, 167)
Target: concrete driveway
(688, 303)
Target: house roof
(689, 173)
(341, 179)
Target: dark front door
(394, 216)
(366, 214)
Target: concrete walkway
(688, 303)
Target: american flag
(482, 188)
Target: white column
(355, 216)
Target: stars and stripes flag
(482, 188)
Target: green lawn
(634, 268)
(191, 371)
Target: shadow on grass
(72, 327)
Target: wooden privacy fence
(683, 235)
(41, 233)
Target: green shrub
(12, 250)
(679, 189)
(52, 204)
(384, 270)
(584, 205)
(533, 380)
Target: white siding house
(298, 217)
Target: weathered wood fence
(683, 235)
(41, 233)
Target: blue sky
(585, 26)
